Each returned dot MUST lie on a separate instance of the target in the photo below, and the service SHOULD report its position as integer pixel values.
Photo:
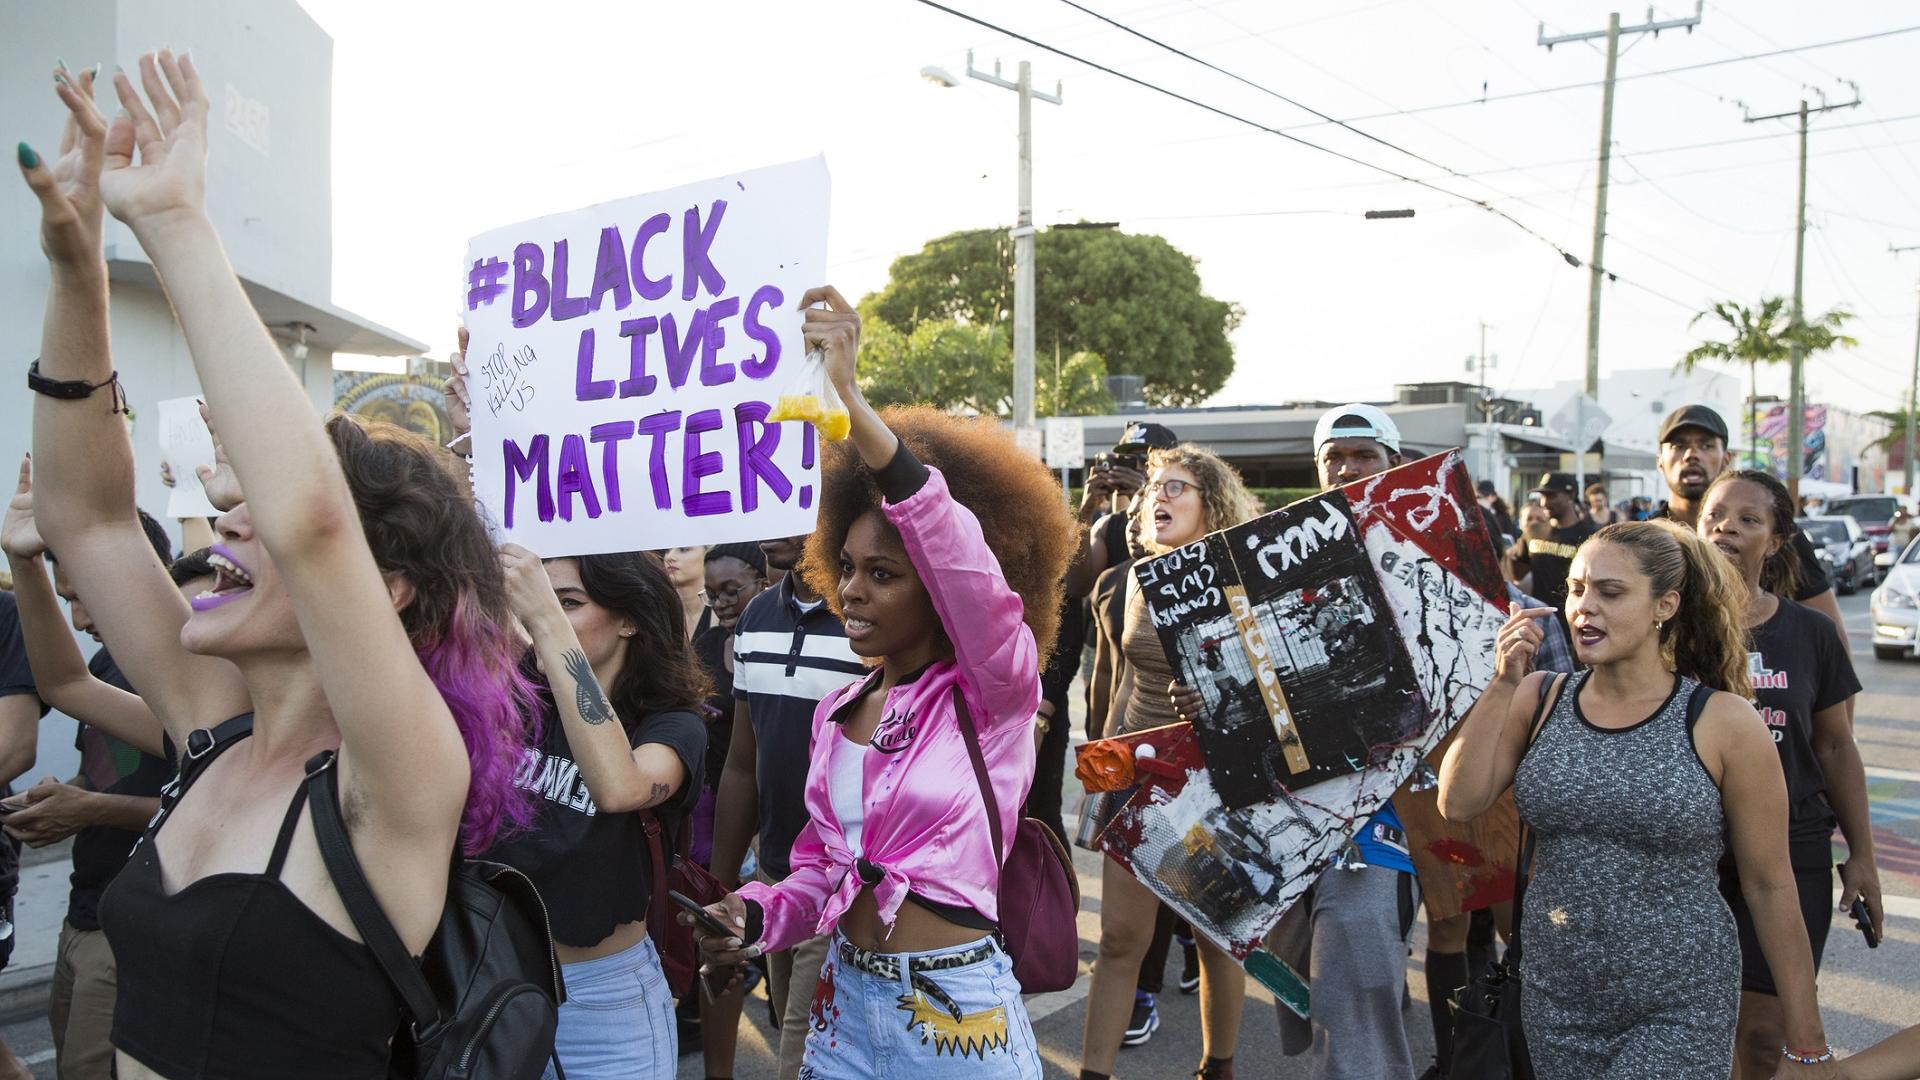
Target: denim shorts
(865, 1025)
(617, 1023)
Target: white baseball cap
(1356, 421)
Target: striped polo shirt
(786, 658)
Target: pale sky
(452, 119)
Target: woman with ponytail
(1802, 681)
(357, 612)
(1634, 775)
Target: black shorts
(1816, 910)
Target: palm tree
(1765, 335)
(1898, 421)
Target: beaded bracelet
(1808, 1057)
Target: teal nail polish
(28, 159)
(61, 79)
(60, 63)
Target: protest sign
(186, 444)
(624, 359)
(1429, 581)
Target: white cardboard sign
(623, 359)
(186, 444)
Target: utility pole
(1480, 364)
(1913, 390)
(1596, 267)
(1023, 230)
(1796, 377)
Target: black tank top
(234, 976)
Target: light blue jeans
(865, 1026)
(617, 1023)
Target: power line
(1489, 98)
(1571, 259)
(1243, 80)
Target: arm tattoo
(659, 794)
(587, 696)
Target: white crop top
(846, 786)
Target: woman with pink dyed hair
(357, 611)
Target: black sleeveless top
(234, 976)
(592, 867)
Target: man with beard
(1693, 451)
(789, 652)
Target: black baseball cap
(1146, 433)
(1558, 481)
(1694, 416)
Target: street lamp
(1022, 233)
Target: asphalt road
(1865, 995)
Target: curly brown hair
(1015, 498)
(1224, 497)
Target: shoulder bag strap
(1697, 704)
(654, 828)
(1523, 860)
(330, 830)
(964, 717)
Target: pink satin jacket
(926, 826)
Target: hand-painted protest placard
(624, 359)
(1282, 628)
(186, 444)
(1427, 573)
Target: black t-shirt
(1799, 667)
(1813, 576)
(16, 677)
(594, 869)
(711, 648)
(1551, 558)
(116, 768)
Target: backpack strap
(203, 746)
(968, 731)
(350, 881)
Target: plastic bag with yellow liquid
(819, 404)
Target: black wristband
(74, 389)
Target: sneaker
(1189, 965)
(1145, 1021)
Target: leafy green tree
(1134, 301)
(965, 366)
(1765, 335)
(1895, 440)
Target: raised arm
(983, 617)
(59, 671)
(298, 504)
(81, 442)
(1753, 791)
(620, 777)
(1480, 763)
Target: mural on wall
(1770, 440)
(417, 402)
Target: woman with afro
(941, 546)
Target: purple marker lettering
(638, 383)
(564, 307)
(755, 367)
(574, 479)
(529, 284)
(806, 462)
(694, 465)
(585, 386)
(756, 454)
(610, 272)
(657, 426)
(526, 466)
(647, 287)
(696, 249)
(612, 434)
(712, 371)
(680, 350)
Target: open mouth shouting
(1588, 636)
(231, 580)
(858, 629)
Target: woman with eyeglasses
(1190, 493)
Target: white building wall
(1639, 399)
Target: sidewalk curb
(24, 992)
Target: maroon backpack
(1039, 892)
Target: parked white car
(1896, 607)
